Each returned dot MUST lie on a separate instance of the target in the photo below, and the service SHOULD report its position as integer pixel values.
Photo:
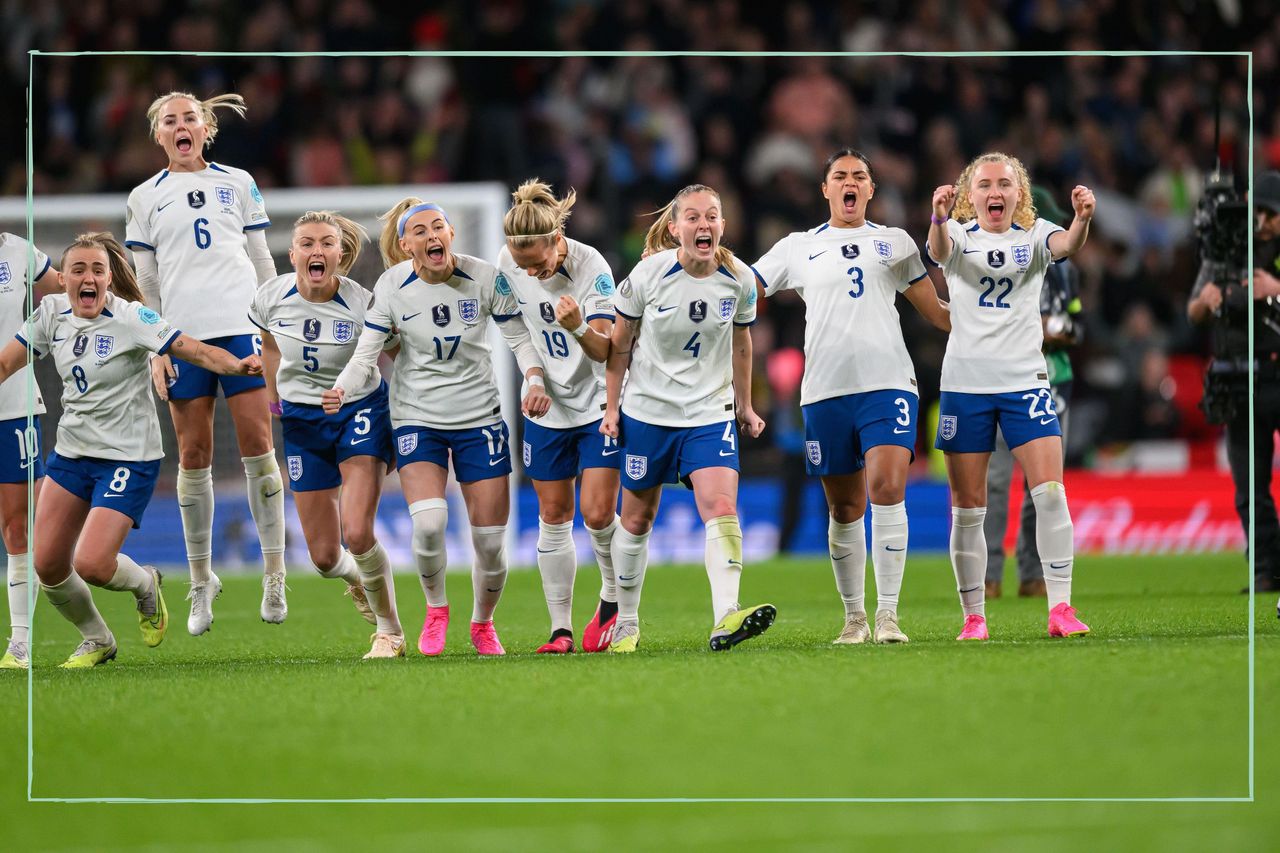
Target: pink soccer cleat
(561, 645)
(597, 636)
(431, 640)
(1063, 622)
(975, 628)
(485, 639)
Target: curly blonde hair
(659, 236)
(233, 102)
(1024, 215)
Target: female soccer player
(994, 253)
(558, 280)
(19, 453)
(107, 455)
(683, 340)
(859, 395)
(310, 321)
(196, 230)
(444, 402)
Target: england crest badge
(343, 330)
(884, 248)
(813, 450)
(726, 307)
(102, 345)
(637, 466)
(947, 427)
(407, 443)
(295, 468)
(1022, 254)
(469, 310)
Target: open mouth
(703, 242)
(436, 254)
(315, 271)
(184, 143)
(87, 296)
(850, 202)
(995, 209)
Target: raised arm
(270, 367)
(1064, 244)
(360, 370)
(944, 198)
(593, 337)
(259, 255)
(924, 296)
(748, 420)
(214, 359)
(536, 403)
(615, 369)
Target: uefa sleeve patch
(604, 285)
(148, 316)
(502, 285)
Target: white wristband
(536, 379)
(582, 329)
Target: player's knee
(430, 518)
(847, 512)
(325, 558)
(97, 569)
(886, 489)
(597, 517)
(719, 506)
(195, 455)
(489, 544)
(555, 511)
(15, 535)
(359, 535)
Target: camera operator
(1221, 297)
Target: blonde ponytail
(231, 101)
(124, 283)
(351, 234)
(659, 237)
(536, 214)
(389, 239)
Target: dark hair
(849, 152)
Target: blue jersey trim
(458, 271)
(48, 262)
(872, 224)
(917, 278)
(413, 276)
(622, 313)
(106, 312)
(218, 168)
(675, 269)
(726, 272)
(564, 272)
(591, 317)
(1016, 226)
(291, 292)
(502, 318)
(68, 311)
(258, 225)
(823, 227)
(928, 256)
(371, 325)
(138, 244)
(23, 341)
(745, 325)
(256, 323)
(164, 349)
(163, 175)
(1052, 259)
(974, 227)
(759, 277)
(337, 297)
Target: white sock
(19, 615)
(1054, 540)
(430, 518)
(557, 563)
(380, 588)
(630, 558)
(345, 568)
(849, 562)
(723, 557)
(74, 601)
(488, 570)
(969, 557)
(888, 552)
(602, 544)
(195, 502)
(129, 577)
(266, 503)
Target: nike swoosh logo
(185, 506)
(891, 548)
(734, 562)
(1044, 421)
(24, 465)
(111, 495)
(663, 310)
(970, 251)
(627, 577)
(16, 583)
(836, 556)
(499, 589)
(272, 494)
(493, 462)
(971, 589)
(1058, 566)
(897, 431)
(404, 318)
(820, 254)
(730, 453)
(55, 340)
(552, 551)
(283, 325)
(163, 206)
(521, 301)
(608, 452)
(356, 441)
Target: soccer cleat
(201, 597)
(1032, 589)
(361, 601)
(153, 613)
(386, 646)
(975, 628)
(887, 630)
(994, 589)
(597, 636)
(17, 656)
(485, 638)
(431, 640)
(561, 645)
(1063, 622)
(738, 625)
(274, 607)
(626, 639)
(89, 654)
(855, 631)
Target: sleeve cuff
(917, 278)
(138, 244)
(258, 226)
(48, 262)
(745, 325)
(376, 327)
(23, 341)
(622, 313)
(759, 277)
(165, 347)
(259, 325)
(502, 318)
(591, 317)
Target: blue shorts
(315, 444)
(193, 382)
(838, 432)
(558, 454)
(123, 486)
(653, 455)
(18, 456)
(967, 422)
(479, 453)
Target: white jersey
(681, 370)
(195, 222)
(995, 282)
(575, 383)
(848, 278)
(13, 307)
(315, 339)
(107, 410)
(443, 376)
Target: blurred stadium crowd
(627, 132)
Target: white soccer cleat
(855, 631)
(386, 646)
(201, 596)
(274, 607)
(887, 630)
(361, 600)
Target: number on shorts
(257, 344)
(203, 238)
(557, 343)
(855, 278)
(362, 418)
(729, 438)
(992, 284)
(309, 361)
(23, 456)
(440, 353)
(905, 408)
(497, 441)
(693, 346)
(1041, 396)
(120, 480)
(82, 384)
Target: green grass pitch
(1154, 703)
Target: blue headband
(418, 208)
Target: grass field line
(619, 800)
